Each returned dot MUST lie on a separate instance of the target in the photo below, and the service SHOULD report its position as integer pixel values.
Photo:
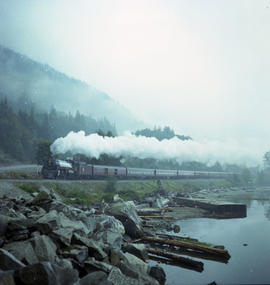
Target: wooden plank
(187, 261)
(156, 217)
(189, 245)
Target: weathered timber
(156, 217)
(174, 237)
(219, 208)
(187, 261)
(189, 245)
(192, 253)
(173, 263)
(152, 211)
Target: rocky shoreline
(45, 241)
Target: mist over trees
(25, 79)
(161, 133)
(22, 126)
(263, 176)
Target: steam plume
(208, 152)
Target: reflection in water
(248, 264)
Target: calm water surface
(248, 264)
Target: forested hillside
(22, 128)
(161, 133)
(20, 76)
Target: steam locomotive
(69, 169)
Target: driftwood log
(196, 265)
(173, 263)
(191, 253)
(174, 237)
(189, 245)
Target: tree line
(22, 129)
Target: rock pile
(46, 242)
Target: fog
(208, 152)
(201, 67)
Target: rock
(111, 238)
(117, 198)
(22, 250)
(108, 230)
(77, 252)
(43, 198)
(46, 273)
(160, 202)
(36, 213)
(176, 229)
(128, 270)
(16, 231)
(4, 220)
(94, 248)
(138, 250)
(158, 273)
(44, 248)
(93, 278)
(6, 278)
(91, 264)
(126, 213)
(104, 222)
(135, 262)
(118, 278)
(8, 261)
(39, 248)
(48, 222)
(53, 221)
(39, 273)
(64, 235)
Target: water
(248, 264)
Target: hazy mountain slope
(20, 76)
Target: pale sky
(199, 66)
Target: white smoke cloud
(209, 152)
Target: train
(70, 169)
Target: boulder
(94, 247)
(23, 251)
(48, 222)
(93, 278)
(64, 235)
(111, 238)
(91, 264)
(118, 278)
(158, 273)
(8, 261)
(108, 230)
(39, 248)
(115, 256)
(53, 221)
(135, 262)
(104, 222)
(46, 273)
(44, 248)
(77, 252)
(36, 213)
(16, 231)
(42, 199)
(126, 213)
(160, 202)
(7, 278)
(138, 250)
(4, 220)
